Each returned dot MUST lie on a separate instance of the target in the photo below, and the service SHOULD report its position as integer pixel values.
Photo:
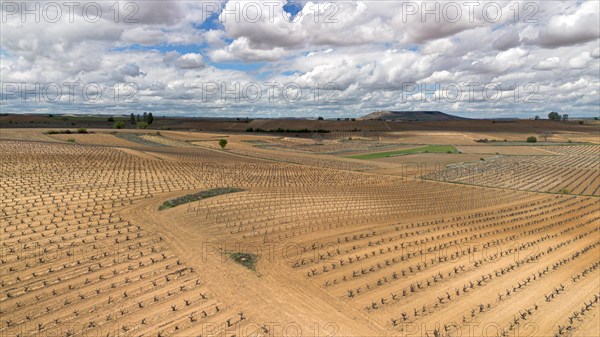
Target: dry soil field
(288, 237)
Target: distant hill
(421, 116)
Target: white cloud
(241, 49)
(580, 61)
(368, 49)
(566, 30)
(189, 61)
(548, 64)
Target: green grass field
(423, 149)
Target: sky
(279, 58)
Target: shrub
(111, 119)
(531, 139)
(55, 132)
(245, 259)
(198, 196)
(564, 191)
(71, 140)
(142, 125)
(119, 125)
(82, 130)
(223, 143)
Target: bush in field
(531, 139)
(245, 259)
(119, 125)
(223, 143)
(55, 132)
(198, 196)
(142, 125)
(554, 116)
(82, 130)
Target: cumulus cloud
(190, 61)
(369, 50)
(548, 64)
(580, 61)
(242, 48)
(566, 30)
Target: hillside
(421, 116)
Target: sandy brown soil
(421, 164)
(345, 247)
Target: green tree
(145, 117)
(142, 125)
(150, 118)
(531, 139)
(554, 116)
(111, 119)
(565, 117)
(320, 118)
(223, 143)
(132, 118)
(139, 119)
(119, 125)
